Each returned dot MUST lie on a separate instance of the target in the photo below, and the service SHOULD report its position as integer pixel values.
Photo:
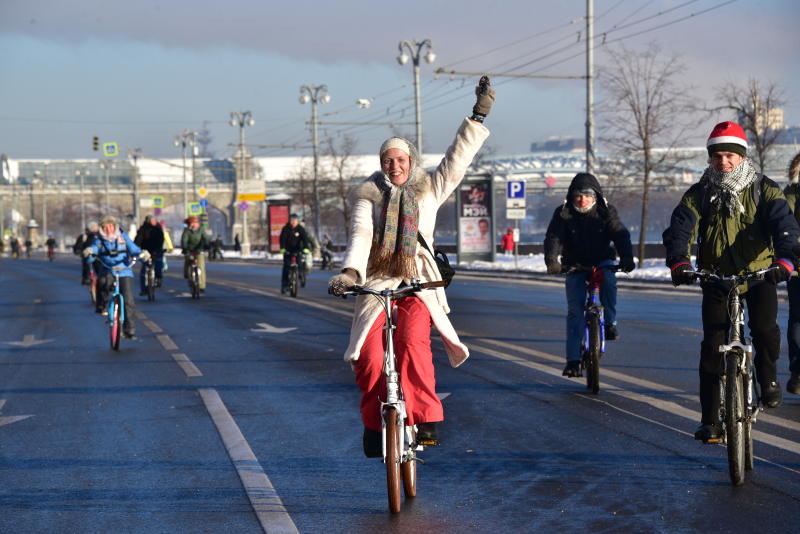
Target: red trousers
(412, 347)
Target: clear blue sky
(140, 72)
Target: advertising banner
(475, 205)
(277, 217)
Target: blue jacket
(118, 251)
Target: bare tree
(645, 108)
(756, 107)
(339, 174)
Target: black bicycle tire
(593, 355)
(748, 427)
(293, 283)
(409, 471)
(151, 284)
(116, 323)
(734, 417)
(195, 283)
(392, 460)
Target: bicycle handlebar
(583, 268)
(736, 278)
(414, 287)
(114, 267)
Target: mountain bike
(739, 403)
(398, 439)
(194, 275)
(593, 342)
(297, 272)
(150, 279)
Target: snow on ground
(654, 269)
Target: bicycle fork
(739, 345)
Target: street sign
(250, 191)
(251, 197)
(202, 192)
(195, 208)
(110, 150)
(515, 195)
(243, 206)
(204, 202)
(145, 202)
(515, 213)
(157, 212)
(158, 202)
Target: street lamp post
(184, 139)
(243, 119)
(135, 154)
(80, 173)
(415, 48)
(316, 94)
(107, 166)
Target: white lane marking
(7, 420)
(2, 403)
(153, 327)
(442, 396)
(269, 329)
(666, 406)
(166, 342)
(276, 293)
(38, 301)
(266, 502)
(28, 340)
(140, 315)
(186, 364)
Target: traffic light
(95, 143)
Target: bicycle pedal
(428, 442)
(713, 441)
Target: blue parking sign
(515, 189)
(204, 202)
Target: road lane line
(166, 342)
(153, 327)
(660, 404)
(186, 364)
(276, 293)
(266, 502)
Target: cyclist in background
(294, 240)
(326, 252)
(150, 237)
(194, 241)
(792, 193)
(742, 223)
(112, 247)
(50, 244)
(83, 241)
(586, 231)
(14, 247)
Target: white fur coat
(432, 190)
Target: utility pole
(81, 173)
(316, 94)
(415, 49)
(184, 139)
(135, 154)
(242, 119)
(590, 157)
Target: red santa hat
(727, 137)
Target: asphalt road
(235, 413)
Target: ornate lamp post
(415, 49)
(316, 94)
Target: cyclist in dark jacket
(792, 193)
(150, 237)
(586, 231)
(742, 223)
(294, 240)
(194, 241)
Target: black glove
(679, 274)
(626, 264)
(486, 96)
(779, 271)
(553, 267)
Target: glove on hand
(554, 268)
(780, 271)
(306, 251)
(486, 97)
(144, 255)
(340, 283)
(282, 251)
(87, 252)
(626, 264)
(679, 274)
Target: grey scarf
(724, 187)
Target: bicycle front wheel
(393, 456)
(293, 283)
(593, 355)
(151, 285)
(734, 417)
(195, 283)
(409, 471)
(115, 325)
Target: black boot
(427, 434)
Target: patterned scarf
(724, 187)
(394, 245)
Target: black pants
(105, 286)
(761, 300)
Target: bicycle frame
(594, 307)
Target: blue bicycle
(116, 305)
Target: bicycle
(116, 306)
(398, 439)
(93, 285)
(194, 276)
(297, 272)
(51, 254)
(738, 411)
(150, 279)
(593, 343)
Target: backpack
(445, 269)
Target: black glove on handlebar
(554, 268)
(626, 264)
(679, 274)
(779, 271)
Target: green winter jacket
(732, 244)
(792, 194)
(194, 240)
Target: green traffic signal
(95, 143)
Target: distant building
(559, 144)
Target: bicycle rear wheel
(115, 325)
(409, 471)
(734, 417)
(593, 356)
(93, 290)
(151, 284)
(392, 459)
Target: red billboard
(277, 217)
